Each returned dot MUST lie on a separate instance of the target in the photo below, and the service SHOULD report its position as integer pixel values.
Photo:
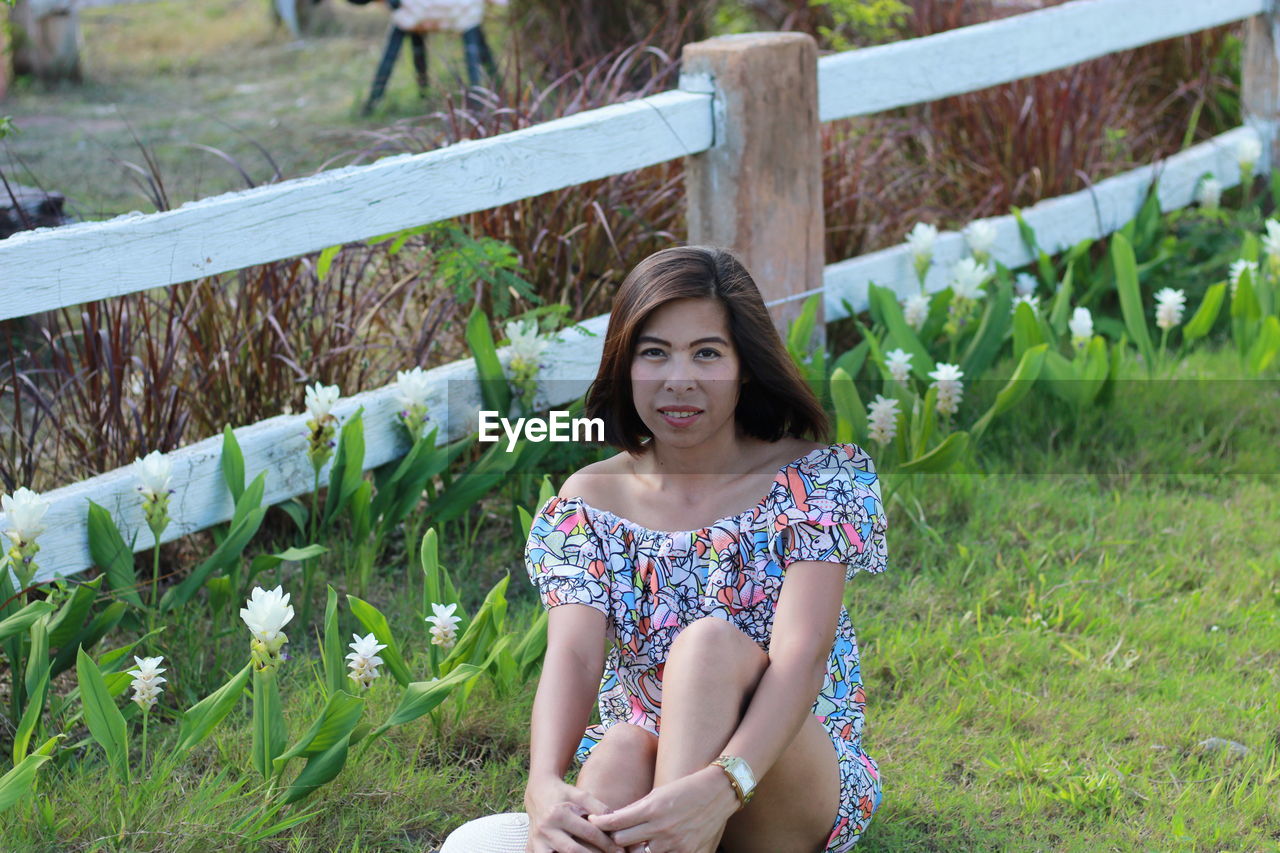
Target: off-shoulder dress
(650, 584)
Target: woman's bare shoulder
(596, 481)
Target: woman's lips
(682, 421)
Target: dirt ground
(172, 75)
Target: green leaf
(251, 499)
(266, 562)
(1026, 330)
(334, 723)
(1202, 321)
(201, 718)
(421, 697)
(19, 781)
(1266, 346)
(88, 636)
(112, 555)
(299, 513)
(232, 464)
(901, 334)
(21, 622)
(269, 733)
(101, 715)
(335, 674)
(325, 261)
(533, 646)
(851, 417)
(373, 620)
(494, 389)
(347, 472)
(37, 694)
(989, 337)
(1126, 270)
(1019, 384)
(318, 770)
(70, 618)
(476, 638)
(942, 457)
(242, 530)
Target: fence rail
(50, 268)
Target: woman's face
(684, 360)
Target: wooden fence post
(1260, 81)
(758, 189)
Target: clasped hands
(686, 815)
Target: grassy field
(170, 75)
(1041, 661)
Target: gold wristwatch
(740, 777)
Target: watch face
(743, 775)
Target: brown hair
(776, 400)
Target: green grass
(1038, 675)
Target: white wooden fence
(49, 268)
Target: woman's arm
(571, 671)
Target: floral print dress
(651, 584)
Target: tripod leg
(419, 45)
(394, 39)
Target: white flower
(23, 513)
(921, 240)
(320, 399)
(1025, 283)
(526, 344)
(1030, 299)
(1237, 270)
(444, 625)
(364, 659)
(266, 614)
(1081, 325)
(147, 681)
(882, 418)
(916, 310)
(967, 277)
(1271, 242)
(412, 388)
(154, 470)
(980, 235)
(946, 378)
(1169, 304)
(899, 363)
(1209, 193)
(1248, 152)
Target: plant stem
(155, 592)
(146, 715)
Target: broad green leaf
(1026, 330)
(421, 697)
(373, 620)
(1126, 271)
(494, 389)
(942, 457)
(232, 464)
(334, 724)
(21, 622)
(989, 337)
(37, 694)
(111, 554)
(1024, 377)
(335, 672)
(222, 557)
(201, 718)
(526, 523)
(1202, 321)
(19, 781)
(266, 562)
(88, 636)
(533, 645)
(1266, 346)
(901, 334)
(851, 417)
(347, 472)
(101, 715)
(318, 770)
(325, 261)
(70, 618)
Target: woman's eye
(708, 349)
(649, 350)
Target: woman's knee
(711, 639)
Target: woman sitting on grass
(719, 674)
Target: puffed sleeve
(563, 557)
(832, 512)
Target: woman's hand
(558, 823)
(684, 816)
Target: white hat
(495, 833)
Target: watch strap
(744, 797)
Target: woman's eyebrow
(650, 339)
